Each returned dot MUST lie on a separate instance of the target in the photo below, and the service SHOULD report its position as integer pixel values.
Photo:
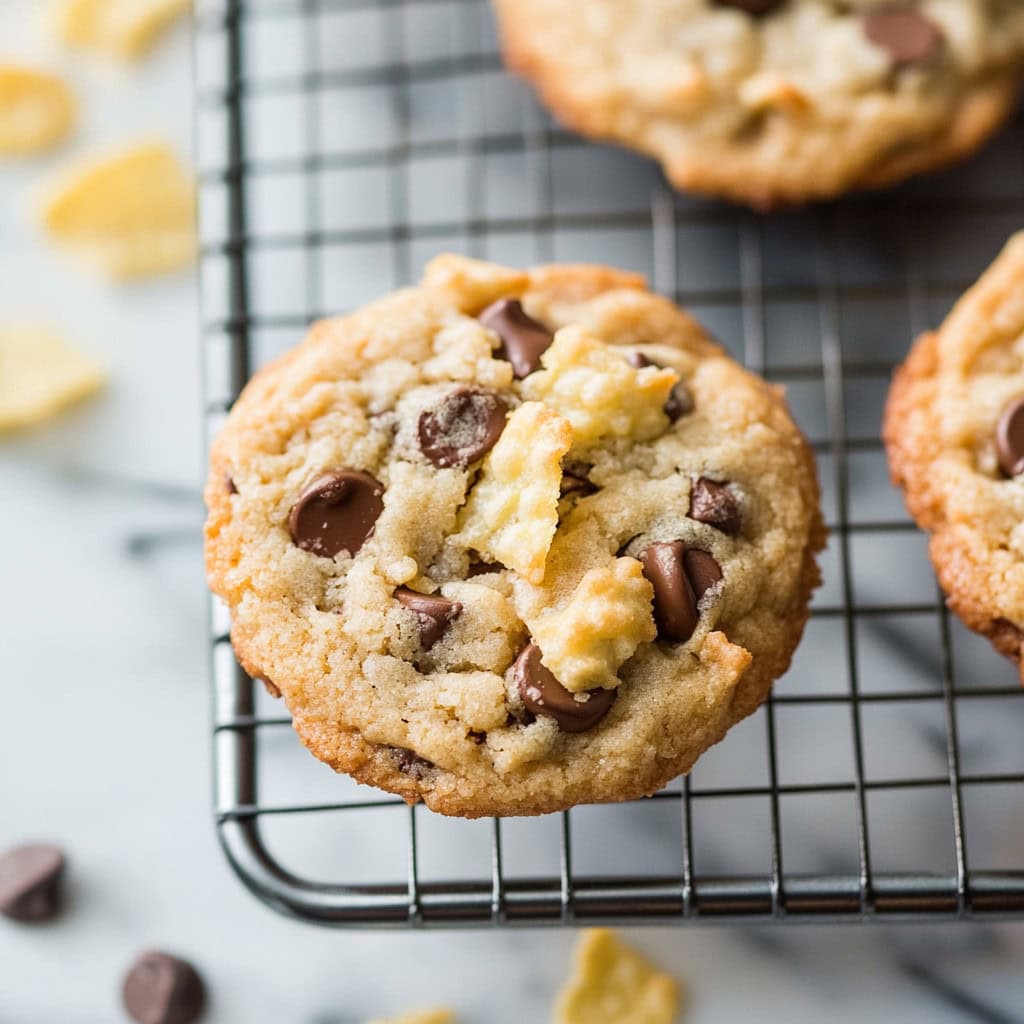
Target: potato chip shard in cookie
(607, 617)
(512, 512)
(39, 375)
(613, 984)
(132, 213)
(600, 393)
(37, 110)
(125, 28)
(437, 1015)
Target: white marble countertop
(104, 742)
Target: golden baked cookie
(513, 541)
(954, 433)
(775, 101)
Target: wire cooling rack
(341, 144)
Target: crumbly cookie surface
(775, 101)
(512, 541)
(954, 432)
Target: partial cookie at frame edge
(981, 576)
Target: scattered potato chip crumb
(125, 28)
(39, 375)
(613, 984)
(132, 213)
(37, 110)
(437, 1015)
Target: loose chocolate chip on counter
(434, 612)
(713, 503)
(543, 694)
(675, 604)
(906, 35)
(336, 512)
(680, 401)
(30, 880)
(463, 427)
(1010, 437)
(702, 570)
(523, 340)
(410, 763)
(163, 989)
(757, 8)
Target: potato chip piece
(125, 28)
(132, 213)
(613, 984)
(607, 617)
(437, 1015)
(596, 389)
(512, 512)
(39, 375)
(37, 110)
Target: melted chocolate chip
(30, 878)
(523, 340)
(463, 427)
(478, 567)
(163, 989)
(576, 485)
(408, 762)
(336, 512)
(756, 8)
(713, 503)
(1010, 437)
(434, 613)
(675, 603)
(702, 570)
(543, 694)
(906, 35)
(477, 736)
(680, 401)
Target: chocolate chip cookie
(513, 541)
(775, 101)
(954, 432)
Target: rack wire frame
(691, 894)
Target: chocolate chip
(543, 694)
(577, 485)
(336, 512)
(906, 35)
(478, 567)
(1010, 437)
(477, 736)
(702, 570)
(463, 427)
(713, 503)
(229, 484)
(679, 402)
(30, 878)
(523, 340)
(434, 612)
(757, 8)
(408, 762)
(675, 603)
(162, 989)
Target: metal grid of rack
(343, 142)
